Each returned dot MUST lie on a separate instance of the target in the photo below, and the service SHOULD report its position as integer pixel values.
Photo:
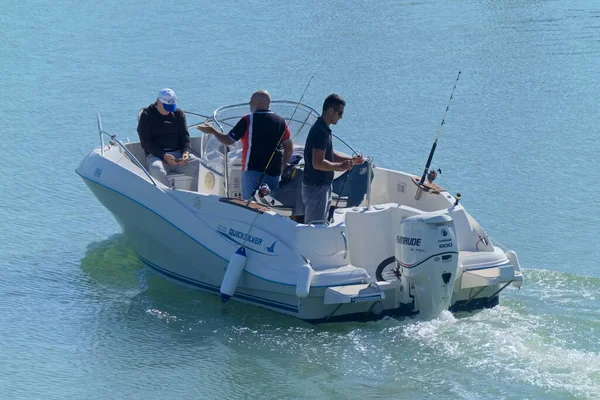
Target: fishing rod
(262, 175)
(350, 147)
(265, 171)
(199, 115)
(439, 133)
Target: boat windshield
(299, 117)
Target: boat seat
(339, 202)
(282, 210)
(478, 259)
(490, 276)
(358, 293)
(275, 205)
(180, 181)
(487, 268)
(346, 275)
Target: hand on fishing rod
(358, 159)
(346, 165)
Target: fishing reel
(290, 170)
(433, 174)
(264, 190)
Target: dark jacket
(160, 133)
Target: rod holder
(458, 197)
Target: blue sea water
(81, 318)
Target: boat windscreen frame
(310, 111)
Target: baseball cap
(168, 98)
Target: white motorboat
(394, 246)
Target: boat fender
(305, 276)
(234, 270)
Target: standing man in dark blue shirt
(321, 161)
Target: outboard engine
(427, 254)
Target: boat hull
(169, 251)
(317, 273)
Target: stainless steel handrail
(293, 103)
(303, 124)
(369, 169)
(113, 137)
(225, 158)
(100, 130)
(225, 154)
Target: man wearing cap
(266, 143)
(164, 137)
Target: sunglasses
(338, 111)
